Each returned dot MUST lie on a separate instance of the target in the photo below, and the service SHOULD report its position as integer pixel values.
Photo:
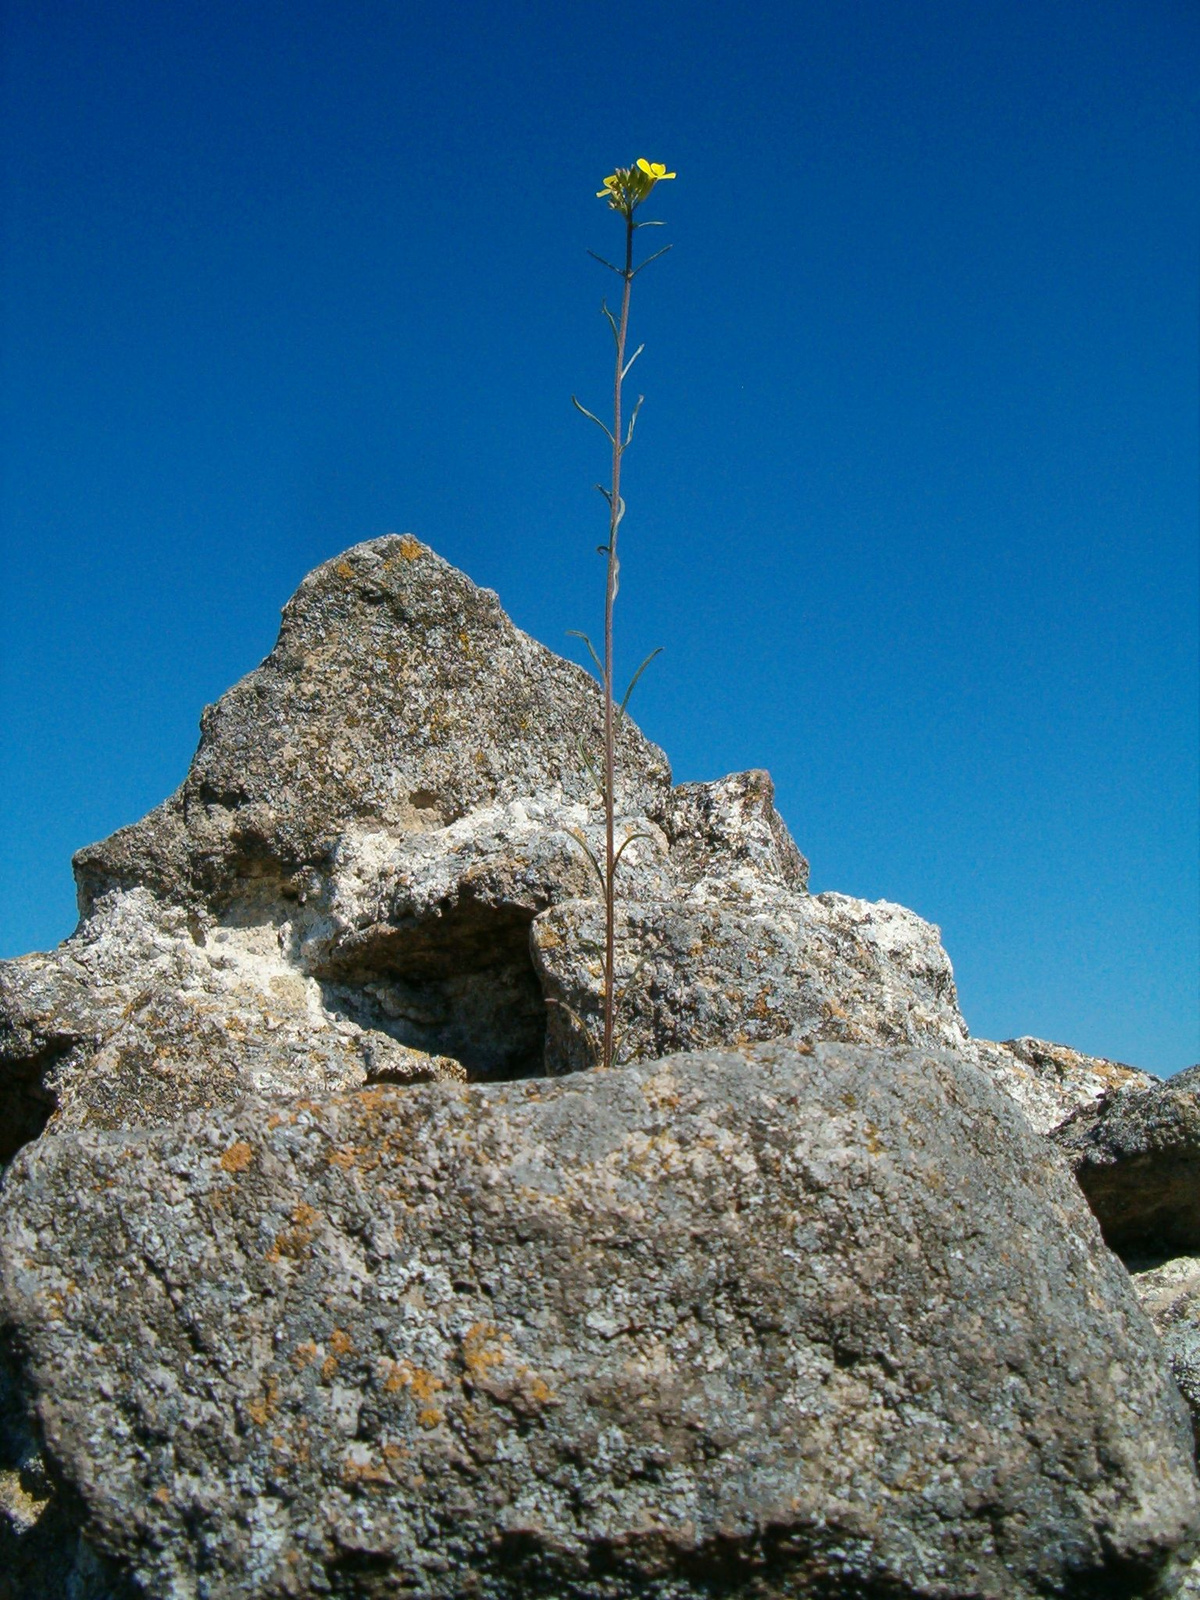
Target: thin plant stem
(610, 595)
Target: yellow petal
(645, 166)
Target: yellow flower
(627, 187)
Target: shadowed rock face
(770, 1323)
(1137, 1159)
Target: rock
(696, 973)
(1170, 1295)
(398, 697)
(769, 1322)
(1051, 1081)
(143, 1017)
(374, 865)
(1136, 1156)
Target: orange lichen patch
(363, 1473)
(535, 1388)
(328, 1367)
(410, 548)
(304, 1354)
(340, 1342)
(261, 1411)
(479, 1352)
(294, 1242)
(238, 1157)
(163, 1495)
(274, 1120)
(56, 1300)
(342, 1158)
(874, 1142)
(421, 1384)
(762, 1007)
(344, 569)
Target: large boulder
(785, 1321)
(1136, 1156)
(1170, 1295)
(1051, 1082)
(378, 869)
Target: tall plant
(625, 190)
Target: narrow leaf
(631, 360)
(573, 833)
(594, 419)
(647, 261)
(580, 1024)
(626, 842)
(612, 321)
(634, 679)
(607, 264)
(596, 777)
(633, 419)
(574, 633)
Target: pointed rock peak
(398, 694)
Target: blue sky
(913, 499)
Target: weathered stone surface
(695, 973)
(824, 1324)
(143, 1016)
(399, 695)
(1137, 1158)
(1170, 1295)
(344, 887)
(1051, 1081)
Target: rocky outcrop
(1136, 1157)
(832, 1323)
(1050, 1082)
(377, 869)
(324, 1270)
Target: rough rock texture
(377, 870)
(1170, 1295)
(1050, 1081)
(832, 1323)
(1137, 1158)
(399, 696)
(697, 972)
(775, 1322)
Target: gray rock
(1051, 1081)
(695, 973)
(1137, 1158)
(343, 889)
(398, 696)
(1170, 1295)
(833, 1323)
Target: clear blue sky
(913, 500)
